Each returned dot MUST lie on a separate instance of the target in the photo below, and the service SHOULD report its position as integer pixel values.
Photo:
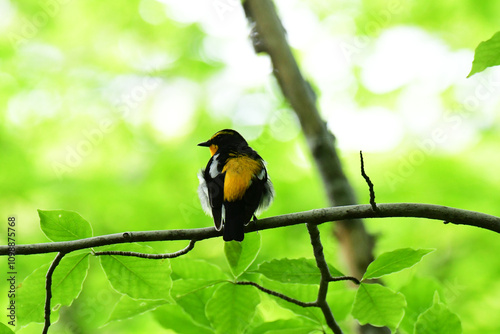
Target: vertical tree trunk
(269, 36)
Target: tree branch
(345, 278)
(48, 290)
(325, 278)
(317, 216)
(279, 295)
(151, 256)
(269, 36)
(369, 182)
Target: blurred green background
(102, 105)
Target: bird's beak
(205, 143)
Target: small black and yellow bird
(234, 185)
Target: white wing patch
(203, 193)
(213, 171)
(262, 174)
(267, 197)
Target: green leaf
(288, 326)
(183, 287)
(419, 293)
(438, 320)
(303, 271)
(301, 292)
(4, 329)
(194, 304)
(487, 54)
(297, 330)
(195, 286)
(232, 308)
(196, 269)
(137, 277)
(61, 225)
(240, 255)
(127, 307)
(340, 298)
(391, 262)
(377, 305)
(297, 325)
(334, 271)
(67, 282)
(233, 250)
(173, 317)
(31, 297)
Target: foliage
(394, 261)
(302, 271)
(135, 277)
(102, 104)
(67, 284)
(60, 225)
(438, 319)
(379, 306)
(201, 294)
(487, 54)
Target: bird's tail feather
(236, 217)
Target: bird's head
(226, 139)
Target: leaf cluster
(210, 298)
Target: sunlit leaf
(378, 305)
(300, 292)
(138, 277)
(438, 320)
(419, 293)
(127, 307)
(240, 255)
(340, 298)
(173, 317)
(194, 303)
(183, 287)
(67, 282)
(394, 261)
(487, 54)
(4, 329)
(187, 268)
(303, 271)
(297, 325)
(61, 225)
(232, 308)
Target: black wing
(215, 186)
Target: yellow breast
(239, 173)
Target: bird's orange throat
(213, 149)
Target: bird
(234, 186)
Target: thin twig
(279, 295)
(344, 278)
(317, 216)
(151, 256)
(369, 182)
(320, 259)
(325, 277)
(48, 290)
